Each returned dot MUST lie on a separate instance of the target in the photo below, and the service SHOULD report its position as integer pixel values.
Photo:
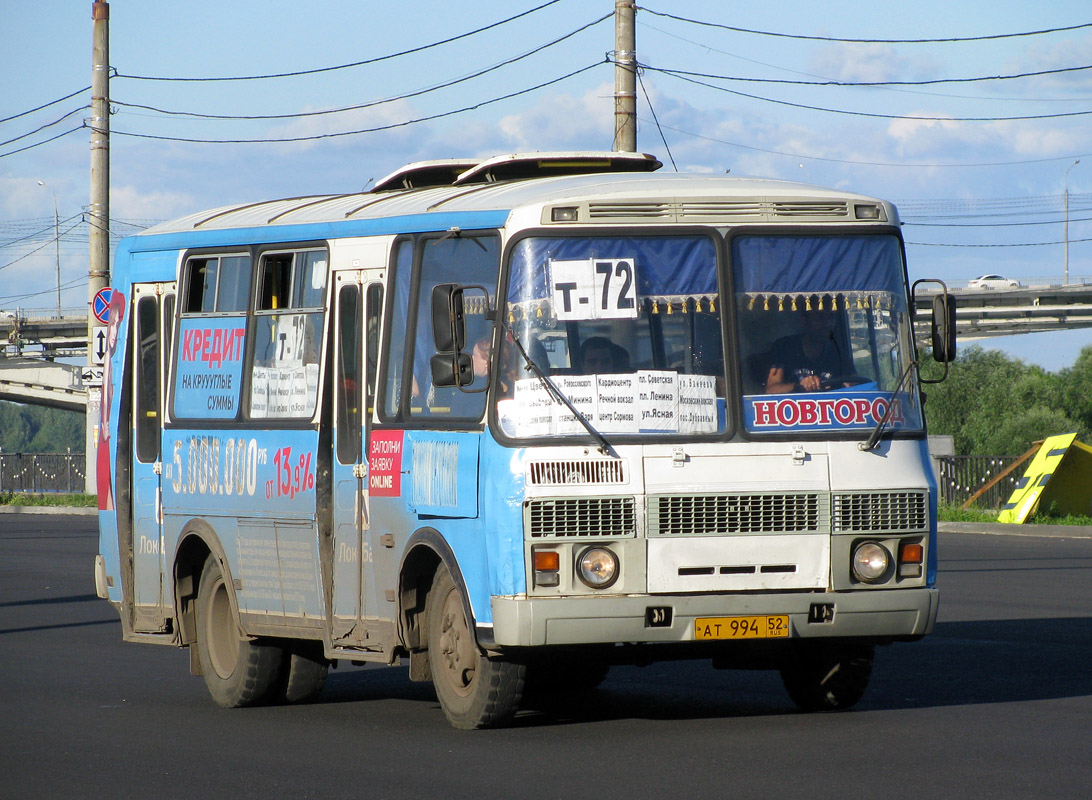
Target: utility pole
(625, 77)
(56, 242)
(99, 261)
(1071, 166)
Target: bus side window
(147, 380)
(348, 375)
(288, 334)
(216, 283)
(372, 328)
(473, 260)
(391, 405)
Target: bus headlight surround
(597, 567)
(870, 562)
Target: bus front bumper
(876, 615)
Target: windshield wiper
(877, 432)
(559, 396)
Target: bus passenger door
(153, 311)
(357, 309)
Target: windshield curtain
(824, 332)
(626, 327)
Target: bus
(512, 422)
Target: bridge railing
(961, 476)
(42, 473)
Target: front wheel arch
(425, 552)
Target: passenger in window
(599, 356)
(810, 361)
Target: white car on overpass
(993, 282)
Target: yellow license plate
(764, 627)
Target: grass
(950, 513)
(57, 500)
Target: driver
(810, 360)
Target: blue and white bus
(514, 422)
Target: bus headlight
(870, 562)
(597, 567)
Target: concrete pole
(99, 214)
(625, 77)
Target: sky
(978, 168)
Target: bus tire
(821, 676)
(305, 669)
(474, 691)
(238, 671)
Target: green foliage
(58, 500)
(995, 405)
(949, 513)
(36, 429)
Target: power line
(355, 63)
(82, 281)
(408, 95)
(36, 249)
(44, 141)
(870, 114)
(377, 129)
(43, 127)
(988, 224)
(992, 244)
(45, 105)
(41, 232)
(860, 163)
(829, 82)
(990, 37)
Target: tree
(996, 405)
(34, 429)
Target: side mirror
(448, 318)
(452, 369)
(944, 328)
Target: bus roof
(619, 197)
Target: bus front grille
(704, 515)
(880, 511)
(580, 517)
(562, 473)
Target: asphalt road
(997, 703)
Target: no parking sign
(100, 304)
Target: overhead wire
(391, 126)
(43, 127)
(406, 96)
(862, 163)
(941, 40)
(45, 105)
(870, 114)
(375, 60)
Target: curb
(68, 510)
(1012, 529)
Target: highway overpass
(37, 344)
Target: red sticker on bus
(385, 464)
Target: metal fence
(962, 476)
(42, 473)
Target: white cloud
(853, 61)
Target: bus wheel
(305, 669)
(237, 671)
(474, 691)
(827, 677)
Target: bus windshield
(628, 328)
(824, 332)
